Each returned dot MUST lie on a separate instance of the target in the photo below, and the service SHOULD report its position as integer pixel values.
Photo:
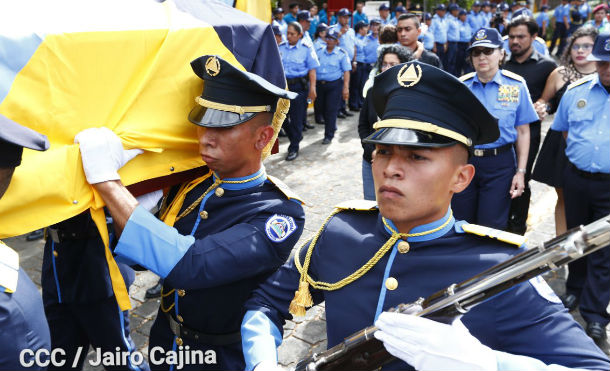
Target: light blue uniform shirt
(453, 28)
(386, 21)
(359, 17)
(584, 11)
(370, 48)
(360, 42)
(333, 64)
(584, 112)
(475, 21)
(486, 18)
(428, 40)
(566, 12)
(438, 27)
(465, 31)
(298, 59)
(318, 44)
(508, 100)
(558, 13)
(347, 41)
(543, 16)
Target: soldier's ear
(264, 136)
(463, 176)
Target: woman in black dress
(552, 159)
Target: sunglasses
(477, 51)
(585, 47)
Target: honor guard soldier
(584, 117)
(369, 257)
(500, 174)
(300, 63)
(332, 78)
(232, 227)
(22, 321)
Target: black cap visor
(409, 137)
(213, 118)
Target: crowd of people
(446, 170)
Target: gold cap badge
(409, 75)
(212, 66)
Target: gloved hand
(102, 154)
(150, 200)
(430, 345)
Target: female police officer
(487, 199)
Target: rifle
(362, 351)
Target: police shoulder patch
(496, 234)
(543, 289)
(467, 76)
(581, 81)
(357, 205)
(279, 227)
(513, 75)
(282, 187)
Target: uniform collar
(497, 78)
(439, 227)
(249, 181)
(595, 82)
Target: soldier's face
(233, 151)
(414, 185)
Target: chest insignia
(508, 93)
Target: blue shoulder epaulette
(9, 268)
(282, 187)
(497, 234)
(467, 76)
(581, 81)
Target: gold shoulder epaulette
(467, 76)
(9, 268)
(497, 234)
(513, 75)
(581, 81)
(358, 205)
(284, 189)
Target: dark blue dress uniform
(487, 199)
(228, 234)
(329, 83)
(77, 292)
(22, 322)
(584, 113)
(298, 60)
(360, 265)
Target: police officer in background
(500, 165)
(278, 18)
(300, 62)
(584, 117)
(22, 321)
(475, 18)
(465, 33)
(439, 27)
(369, 257)
(453, 37)
(332, 78)
(361, 73)
(347, 42)
(384, 14)
(304, 18)
(233, 226)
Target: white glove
(102, 154)
(430, 345)
(150, 200)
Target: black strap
(184, 332)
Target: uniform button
(55, 253)
(179, 342)
(179, 318)
(219, 192)
(403, 247)
(203, 214)
(181, 293)
(391, 283)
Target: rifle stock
(362, 351)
